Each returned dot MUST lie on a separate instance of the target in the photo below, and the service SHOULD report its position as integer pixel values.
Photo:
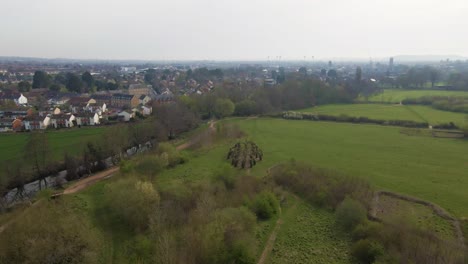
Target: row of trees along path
(91, 180)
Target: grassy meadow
(433, 169)
(60, 141)
(417, 113)
(398, 95)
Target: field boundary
(439, 211)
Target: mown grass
(60, 141)
(308, 235)
(432, 169)
(398, 95)
(415, 113)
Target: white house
(144, 99)
(71, 119)
(22, 100)
(46, 121)
(146, 111)
(96, 119)
(124, 116)
(57, 111)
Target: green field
(415, 113)
(61, 141)
(433, 169)
(396, 95)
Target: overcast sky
(231, 29)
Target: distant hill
(426, 58)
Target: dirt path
(197, 138)
(270, 243)
(81, 184)
(271, 240)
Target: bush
(349, 214)
(367, 251)
(265, 205)
(132, 200)
(174, 157)
(367, 229)
(50, 232)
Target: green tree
(303, 71)
(55, 87)
(24, 86)
(358, 75)
(49, 232)
(349, 214)
(41, 80)
(223, 108)
(150, 76)
(132, 200)
(88, 79)
(245, 154)
(74, 83)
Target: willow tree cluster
(245, 154)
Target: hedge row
(350, 119)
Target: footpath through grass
(415, 113)
(308, 235)
(432, 169)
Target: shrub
(132, 200)
(349, 214)
(367, 229)
(367, 251)
(50, 232)
(265, 205)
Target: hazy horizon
(226, 30)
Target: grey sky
(231, 29)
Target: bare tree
(37, 151)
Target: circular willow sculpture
(245, 154)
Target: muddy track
(435, 208)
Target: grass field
(308, 235)
(429, 168)
(433, 169)
(60, 141)
(397, 95)
(416, 113)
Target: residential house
(58, 99)
(33, 123)
(22, 100)
(146, 111)
(86, 119)
(124, 116)
(121, 100)
(101, 99)
(13, 114)
(144, 99)
(6, 124)
(164, 99)
(141, 89)
(135, 101)
(60, 121)
(9, 97)
(17, 125)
